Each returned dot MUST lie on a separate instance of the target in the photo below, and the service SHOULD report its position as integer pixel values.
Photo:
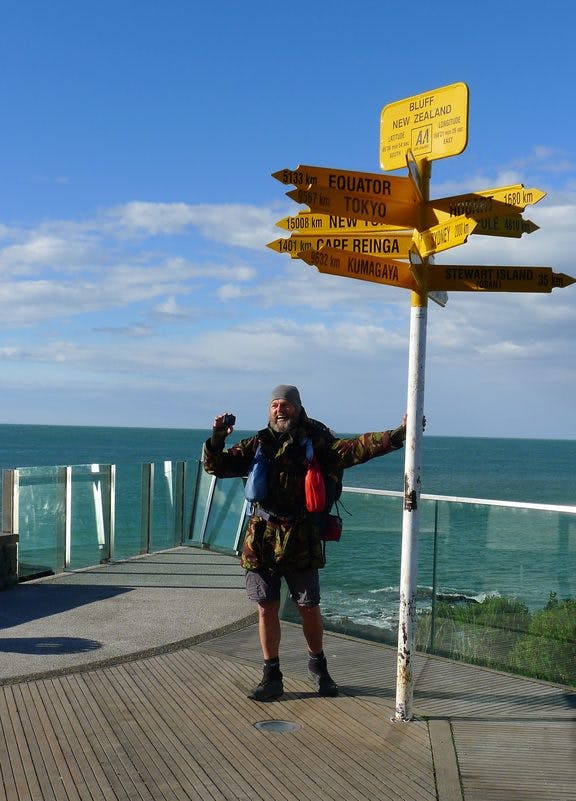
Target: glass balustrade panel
(41, 521)
(506, 590)
(90, 516)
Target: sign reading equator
(433, 125)
(390, 187)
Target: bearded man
(283, 538)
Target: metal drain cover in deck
(281, 726)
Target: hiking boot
(324, 684)
(318, 672)
(267, 690)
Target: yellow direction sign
(495, 279)
(364, 268)
(510, 225)
(310, 222)
(368, 207)
(389, 187)
(387, 244)
(492, 217)
(432, 125)
(506, 200)
(450, 234)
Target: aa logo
(422, 139)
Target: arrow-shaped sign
(364, 268)
(509, 225)
(390, 187)
(369, 207)
(504, 200)
(309, 222)
(493, 218)
(383, 244)
(496, 279)
(450, 234)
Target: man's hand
(221, 423)
(398, 436)
(405, 418)
(220, 430)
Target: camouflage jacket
(291, 539)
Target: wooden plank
(446, 770)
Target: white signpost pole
(412, 469)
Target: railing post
(179, 500)
(65, 476)
(434, 580)
(194, 504)
(146, 515)
(9, 536)
(208, 509)
(112, 509)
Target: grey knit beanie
(288, 393)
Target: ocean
(481, 551)
(530, 470)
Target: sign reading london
(432, 125)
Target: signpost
(351, 230)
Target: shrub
(548, 649)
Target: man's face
(282, 417)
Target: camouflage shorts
(303, 585)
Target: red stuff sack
(332, 530)
(314, 488)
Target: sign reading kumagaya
(432, 125)
(366, 268)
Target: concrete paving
(123, 610)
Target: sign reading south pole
(433, 125)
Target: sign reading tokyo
(432, 125)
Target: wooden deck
(178, 726)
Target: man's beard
(282, 426)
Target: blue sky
(138, 139)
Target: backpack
(322, 489)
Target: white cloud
(193, 315)
(232, 224)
